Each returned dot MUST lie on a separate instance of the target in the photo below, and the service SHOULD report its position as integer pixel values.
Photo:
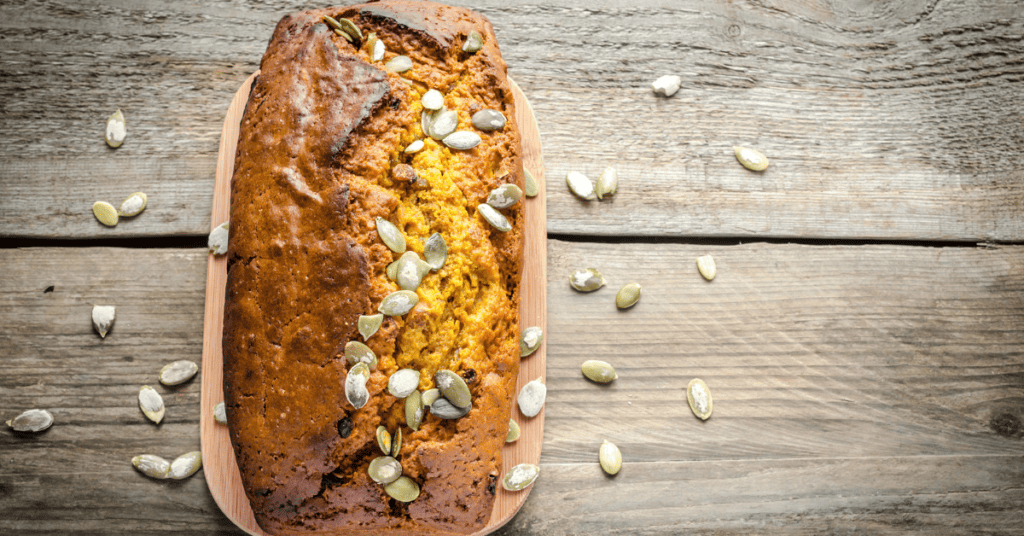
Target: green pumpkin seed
(504, 196)
(462, 140)
(399, 64)
(474, 42)
(513, 431)
(435, 251)
(152, 466)
(520, 477)
(398, 303)
(116, 130)
(220, 413)
(607, 183)
(343, 35)
(414, 410)
(404, 489)
(390, 235)
(453, 387)
(610, 458)
(151, 403)
(443, 123)
(103, 318)
(369, 324)
(185, 465)
(105, 213)
(430, 396)
(530, 186)
(751, 159)
(432, 100)
(132, 205)
(587, 280)
(493, 217)
(580, 185)
(706, 267)
(334, 24)
(355, 385)
(627, 296)
(396, 442)
(403, 382)
(217, 243)
(384, 440)
(599, 371)
(350, 28)
(442, 408)
(33, 420)
(178, 372)
(392, 270)
(414, 147)
(410, 271)
(529, 340)
(385, 470)
(488, 120)
(357, 352)
(699, 397)
(531, 397)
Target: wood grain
(872, 389)
(883, 120)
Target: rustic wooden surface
(864, 338)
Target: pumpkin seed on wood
(667, 85)
(403, 382)
(610, 457)
(462, 140)
(355, 385)
(410, 271)
(607, 183)
(33, 420)
(369, 324)
(133, 205)
(220, 413)
(399, 64)
(384, 440)
(398, 303)
(529, 340)
(627, 296)
(699, 397)
(531, 397)
(435, 251)
(178, 372)
(488, 120)
(151, 403)
(520, 477)
(442, 408)
(414, 410)
(185, 465)
(513, 431)
(218, 240)
(706, 267)
(493, 217)
(390, 235)
(599, 371)
(530, 186)
(453, 387)
(587, 280)
(105, 213)
(103, 318)
(404, 489)
(432, 100)
(474, 42)
(504, 196)
(357, 352)
(384, 470)
(430, 396)
(580, 185)
(751, 159)
(396, 442)
(152, 466)
(116, 130)
(414, 147)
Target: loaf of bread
(322, 164)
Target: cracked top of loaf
(323, 134)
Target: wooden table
(864, 338)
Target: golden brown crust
(322, 133)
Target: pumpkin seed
(404, 489)
(384, 440)
(488, 120)
(132, 205)
(430, 396)
(414, 147)
(443, 123)
(385, 469)
(369, 324)
(410, 271)
(453, 387)
(371, 42)
(403, 382)
(667, 85)
(580, 185)
(706, 267)
(610, 457)
(218, 240)
(607, 183)
(504, 196)
(220, 413)
(529, 340)
(462, 140)
(398, 303)
(442, 408)
(513, 431)
(699, 397)
(185, 465)
(396, 442)
(398, 64)
(390, 235)
(103, 318)
(587, 280)
(152, 466)
(414, 410)
(105, 213)
(334, 24)
(520, 477)
(493, 217)
(627, 296)
(350, 28)
(530, 186)
(531, 397)
(474, 42)
(392, 270)
(355, 385)
(435, 251)
(425, 120)
(33, 420)
(178, 372)
(344, 35)
(151, 403)
(599, 371)
(357, 352)
(378, 51)
(116, 130)
(432, 100)
(751, 159)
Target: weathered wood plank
(879, 388)
(888, 120)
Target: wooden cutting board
(219, 465)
